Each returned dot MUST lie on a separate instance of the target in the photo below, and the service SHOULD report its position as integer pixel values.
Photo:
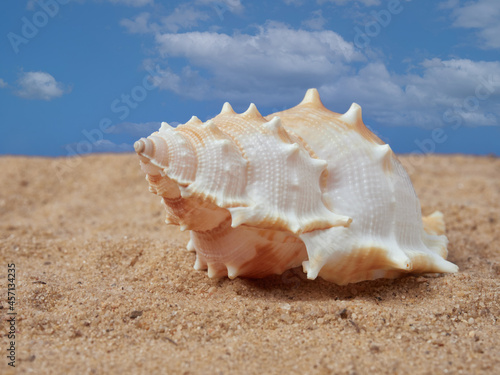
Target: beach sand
(104, 286)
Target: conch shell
(307, 186)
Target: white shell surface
(306, 185)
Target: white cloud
(483, 15)
(448, 4)
(183, 17)
(39, 85)
(133, 3)
(138, 25)
(234, 6)
(275, 66)
(3, 83)
(293, 2)
(273, 60)
(346, 2)
(316, 21)
(467, 88)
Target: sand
(105, 287)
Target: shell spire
(312, 98)
(139, 146)
(165, 126)
(353, 115)
(194, 121)
(252, 112)
(227, 109)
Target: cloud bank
(481, 15)
(274, 65)
(277, 64)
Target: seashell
(305, 186)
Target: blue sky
(80, 76)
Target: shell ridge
(170, 145)
(434, 223)
(436, 243)
(165, 126)
(262, 252)
(334, 256)
(219, 156)
(183, 172)
(279, 207)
